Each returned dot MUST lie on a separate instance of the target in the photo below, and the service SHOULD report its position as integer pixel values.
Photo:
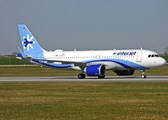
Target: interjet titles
(126, 53)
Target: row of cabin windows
(97, 57)
(153, 55)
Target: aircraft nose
(162, 61)
(158, 62)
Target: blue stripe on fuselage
(126, 64)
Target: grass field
(122, 101)
(74, 101)
(12, 61)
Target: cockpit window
(156, 55)
(153, 55)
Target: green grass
(35, 71)
(12, 61)
(122, 101)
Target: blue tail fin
(29, 43)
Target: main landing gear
(81, 76)
(101, 76)
(143, 74)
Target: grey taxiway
(88, 79)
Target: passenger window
(149, 55)
(153, 55)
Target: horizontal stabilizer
(23, 55)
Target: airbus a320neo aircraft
(92, 63)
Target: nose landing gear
(143, 74)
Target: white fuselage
(112, 59)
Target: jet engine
(95, 70)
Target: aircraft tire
(81, 76)
(143, 76)
(101, 76)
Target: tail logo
(28, 42)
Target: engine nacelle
(95, 70)
(124, 72)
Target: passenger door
(139, 56)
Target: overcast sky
(86, 24)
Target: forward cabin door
(139, 56)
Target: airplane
(91, 63)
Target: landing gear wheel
(143, 76)
(101, 76)
(81, 76)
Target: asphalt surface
(87, 79)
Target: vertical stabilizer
(30, 46)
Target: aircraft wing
(64, 62)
